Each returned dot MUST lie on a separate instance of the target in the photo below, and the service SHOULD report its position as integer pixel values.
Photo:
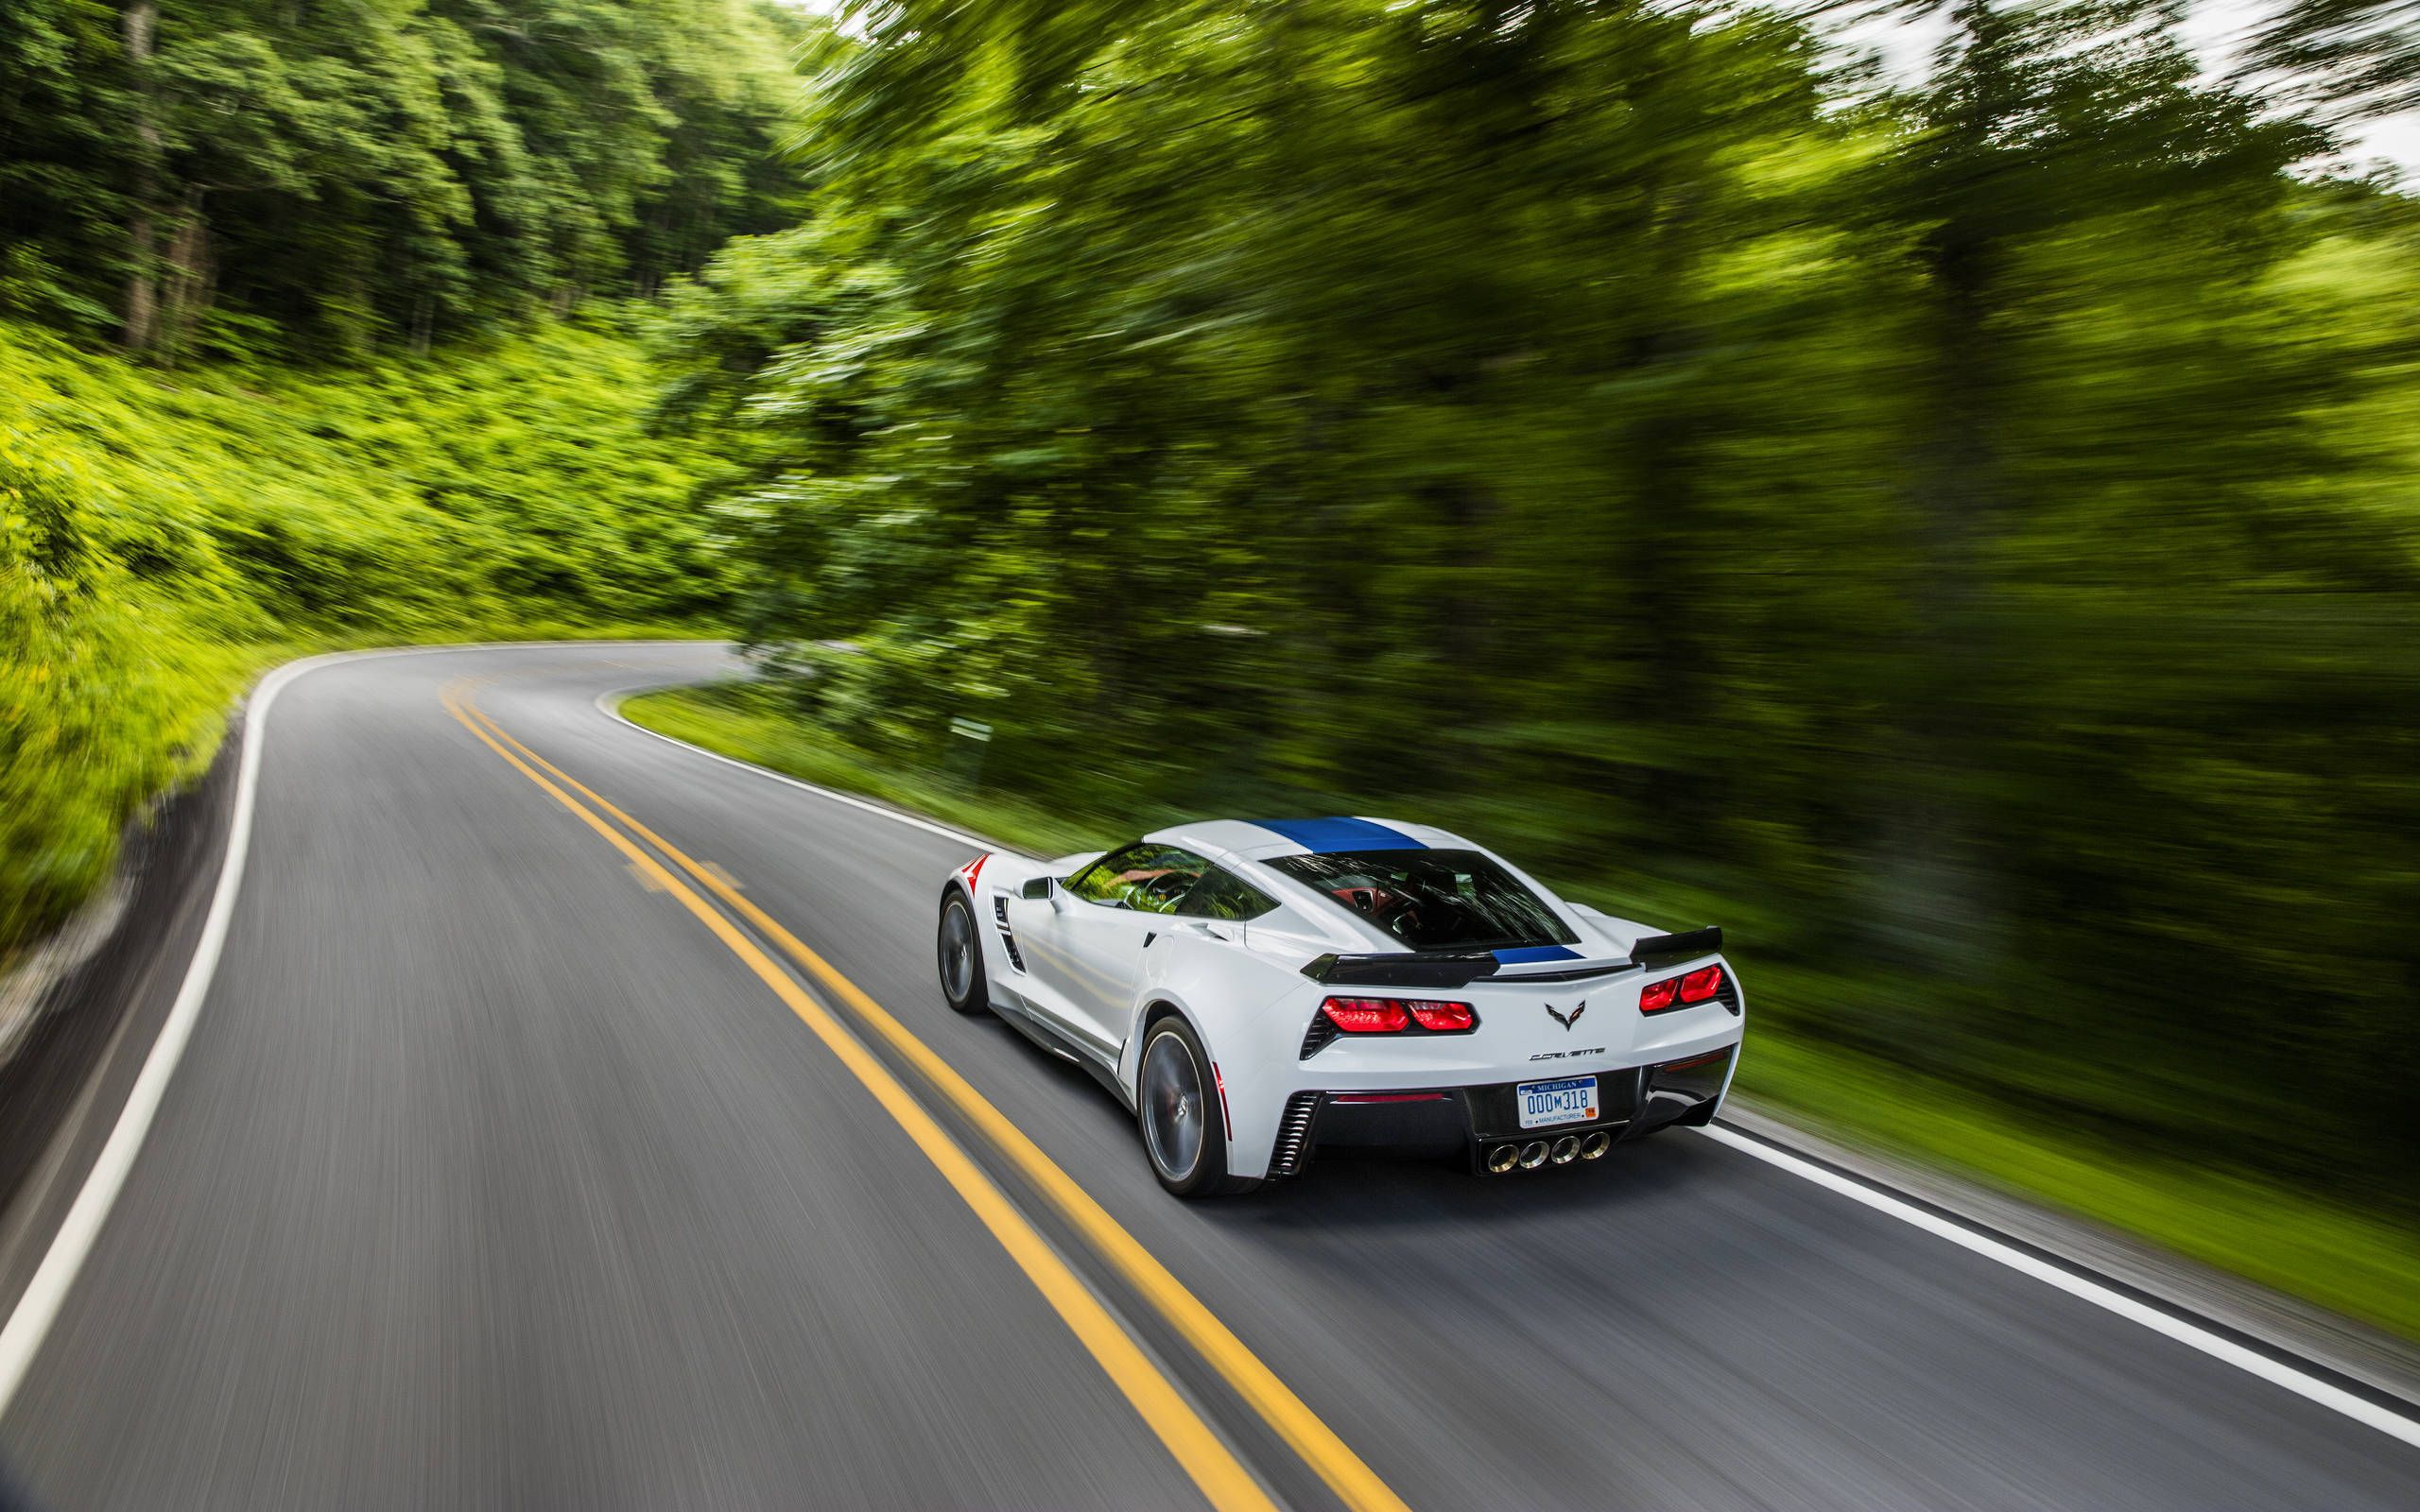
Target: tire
(1178, 1114)
(963, 987)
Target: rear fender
(1227, 994)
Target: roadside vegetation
(168, 535)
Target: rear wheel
(962, 957)
(1184, 1133)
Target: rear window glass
(1218, 895)
(1432, 899)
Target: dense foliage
(216, 177)
(1961, 538)
(160, 540)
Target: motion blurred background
(1933, 488)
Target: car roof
(1259, 839)
(1241, 840)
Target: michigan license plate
(1545, 1104)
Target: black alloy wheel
(962, 957)
(1185, 1131)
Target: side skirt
(1050, 1038)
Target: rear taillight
(1699, 985)
(1366, 1014)
(1442, 1017)
(1396, 1015)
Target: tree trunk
(137, 23)
(1678, 786)
(1940, 907)
(1937, 903)
(189, 276)
(142, 297)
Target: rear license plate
(1545, 1104)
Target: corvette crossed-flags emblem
(1567, 1020)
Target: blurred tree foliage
(1961, 535)
(224, 177)
(2354, 59)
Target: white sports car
(1258, 991)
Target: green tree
(332, 178)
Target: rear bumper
(1475, 1120)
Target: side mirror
(1037, 889)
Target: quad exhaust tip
(1590, 1146)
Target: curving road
(516, 1160)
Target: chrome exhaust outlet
(1533, 1155)
(1502, 1158)
(1566, 1149)
(1595, 1146)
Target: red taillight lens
(1396, 1015)
(1674, 991)
(1366, 1014)
(1445, 1018)
(1701, 983)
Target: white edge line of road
(2252, 1361)
(37, 1307)
(608, 703)
(2193, 1335)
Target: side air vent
(1294, 1134)
(1729, 994)
(1008, 936)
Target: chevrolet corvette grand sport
(1257, 991)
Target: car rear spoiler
(1459, 968)
(1657, 950)
(1413, 968)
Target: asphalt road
(492, 1176)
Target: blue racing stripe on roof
(1323, 835)
(1520, 954)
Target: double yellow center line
(1204, 1456)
